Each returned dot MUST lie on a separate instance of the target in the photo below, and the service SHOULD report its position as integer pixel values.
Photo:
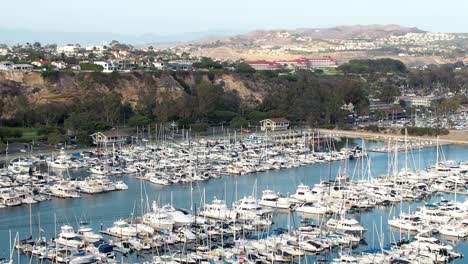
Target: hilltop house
(41, 62)
(107, 66)
(274, 124)
(59, 65)
(10, 66)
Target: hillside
(133, 88)
(411, 45)
(283, 37)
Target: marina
(326, 203)
(236, 132)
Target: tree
(91, 56)
(51, 113)
(207, 95)
(245, 68)
(387, 92)
(112, 103)
(139, 120)
(91, 67)
(207, 63)
(8, 132)
(37, 45)
(23, 110)
(373, 66)
(238, 122)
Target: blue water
(108, 207)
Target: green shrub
(8, 132)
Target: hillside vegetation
(80, 103)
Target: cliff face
(132, 87)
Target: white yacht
(89, 185)
(20, 165)
(431, 213)
(159, 180)
(99, 170)
(304, 194)
(180, 218)
(86, 233)
(120, 185)
(158, 218)
(459, 230)
(218, 210)
(9, 198)
(313, 208)
(122, 229)
(272, 199)
(62, 161)
(68, 238)
(64, 190)
(346, 225)
(427, 242)
(407, 222)
(248, 208)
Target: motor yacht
(313, 208)
(64, 189)
(158, 218)
(304, 194)
(180, 218)
(68, 238)
(86, 233)
(346, 225)
(272, 199)
(122, 229)
(218, 210)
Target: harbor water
(45, 218)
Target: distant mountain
(15, 36)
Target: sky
(183, 16)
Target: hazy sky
(180, 16)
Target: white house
(59, 65)
(108, 66)
(159, 64)
(274, 124)
(424, 101)
(3, 51)
(23, 67)
(10, 66)
(40, 63)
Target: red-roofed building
(322, 62)
(303, 63)
(294, 64)
(40, 63)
